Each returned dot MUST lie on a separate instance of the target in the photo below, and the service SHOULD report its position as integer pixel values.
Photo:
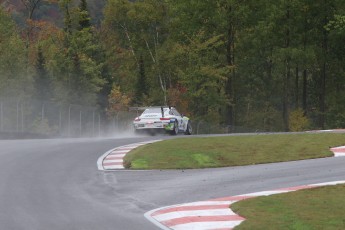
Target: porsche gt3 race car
(166, 119)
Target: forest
(270, 65)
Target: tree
(139, 29)
(31, 6)
(14, 80)
(78, 70)
(206, 31)
(84, 16)
(118, 101)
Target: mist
(29, 118)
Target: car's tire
(152, 132)
(175, 130)
(189, 129)
(138, 132)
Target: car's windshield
(155, 110)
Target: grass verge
(311, 209)
(191, 153)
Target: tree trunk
(286, 96)
(323, 79)
(287, 76)
(304, 97)
(230, 61)
(305, 73)
(297, 88)
(322, 96)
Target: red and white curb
(113, 159)
(326, 130)
(339, 151)
(213, 214)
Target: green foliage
(117, 101)
(42, 126)
(84, 16)
(15, 81)
(139, 29)
(76, 65)
(338, 24)
(202, 75)
(261, 117)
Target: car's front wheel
(175, 130)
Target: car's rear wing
(149, 107)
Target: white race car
(166, 119)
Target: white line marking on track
(112, 161)
(114, 167)
(211, 202)
(207, 225)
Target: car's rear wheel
(189, 129)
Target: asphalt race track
(55, 184)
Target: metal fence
(50, 119)
(203, 127)
(58, 120)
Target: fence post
(117, 121)
(60, 121)
(197, 128)
(80, 123)
(113, 123)
(17, 121)
(42, 114)
(22, 113)
(99, 125)
(1, 117)
(93, 123)
(69, 121)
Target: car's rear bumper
(167, 126)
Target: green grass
(191, 153)
(310, 209)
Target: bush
(298, 121)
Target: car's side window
(176, 113)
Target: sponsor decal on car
(170, 126)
